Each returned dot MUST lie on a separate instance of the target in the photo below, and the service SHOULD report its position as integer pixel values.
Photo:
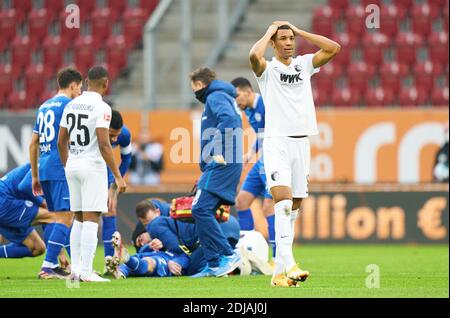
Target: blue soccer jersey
(256, 118)
(48, 118)
(124, 142)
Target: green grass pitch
(336, 271)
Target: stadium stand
(34, 43)
(404, 63)
(408, 55)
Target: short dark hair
(143, 207)
(67, 76)
(96, 73)
(116, 120)
(203, 74)
(281, 27)
(241, 82)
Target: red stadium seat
(391, 74)
(338, 5)
(116, 51)
(407, 4)
(54, 47)
(9, 19)
(324, 83)
(36, 78)
(84, 52)
(390, 16)
(380, 96)
(6, 80)
(429, 68)
(346, 40)
(133, 24)
(38, 20)
(355, 18)
(22, 5)
(438, 47)
(18, 100)
(321, 98)
(440, 96)
(345, 96)
(117, 6)
(148, 5)
(358, 74)
(374, 46)
(21, 51)
(412, 96)
(331, 69)
(54, 7)
(323, 20)
(102, 21)
(86, 8)
(407, 45)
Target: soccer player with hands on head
(285, 86)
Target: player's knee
(241, 203)
(38, 249)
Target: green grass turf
(336, 271)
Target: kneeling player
(18, 213)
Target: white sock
(294, 215)
(284, 236)
(88, 247)
(75, 246)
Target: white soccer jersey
(288, 98)
(81, 117)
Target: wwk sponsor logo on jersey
(291, 78)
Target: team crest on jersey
(258, 117)
(28, 203)
(298, 68)
(107, 117)
(274, 176)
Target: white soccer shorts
(286, 162)
(88, 187)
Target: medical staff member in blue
(119, 136)
(255, 184)
(47, 171)
(221, 166)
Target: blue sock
(48, 228)
(125, 270)
(108, 229)
(245, 219)
(58, 240)
(139, 266)
(271, 228)
(13, 250)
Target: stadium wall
(356, 215)
(364, 146)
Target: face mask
(201, 94)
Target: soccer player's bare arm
(63, 144)
(256, 56)
(107, 154)
(34, 155)
(328, 48)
